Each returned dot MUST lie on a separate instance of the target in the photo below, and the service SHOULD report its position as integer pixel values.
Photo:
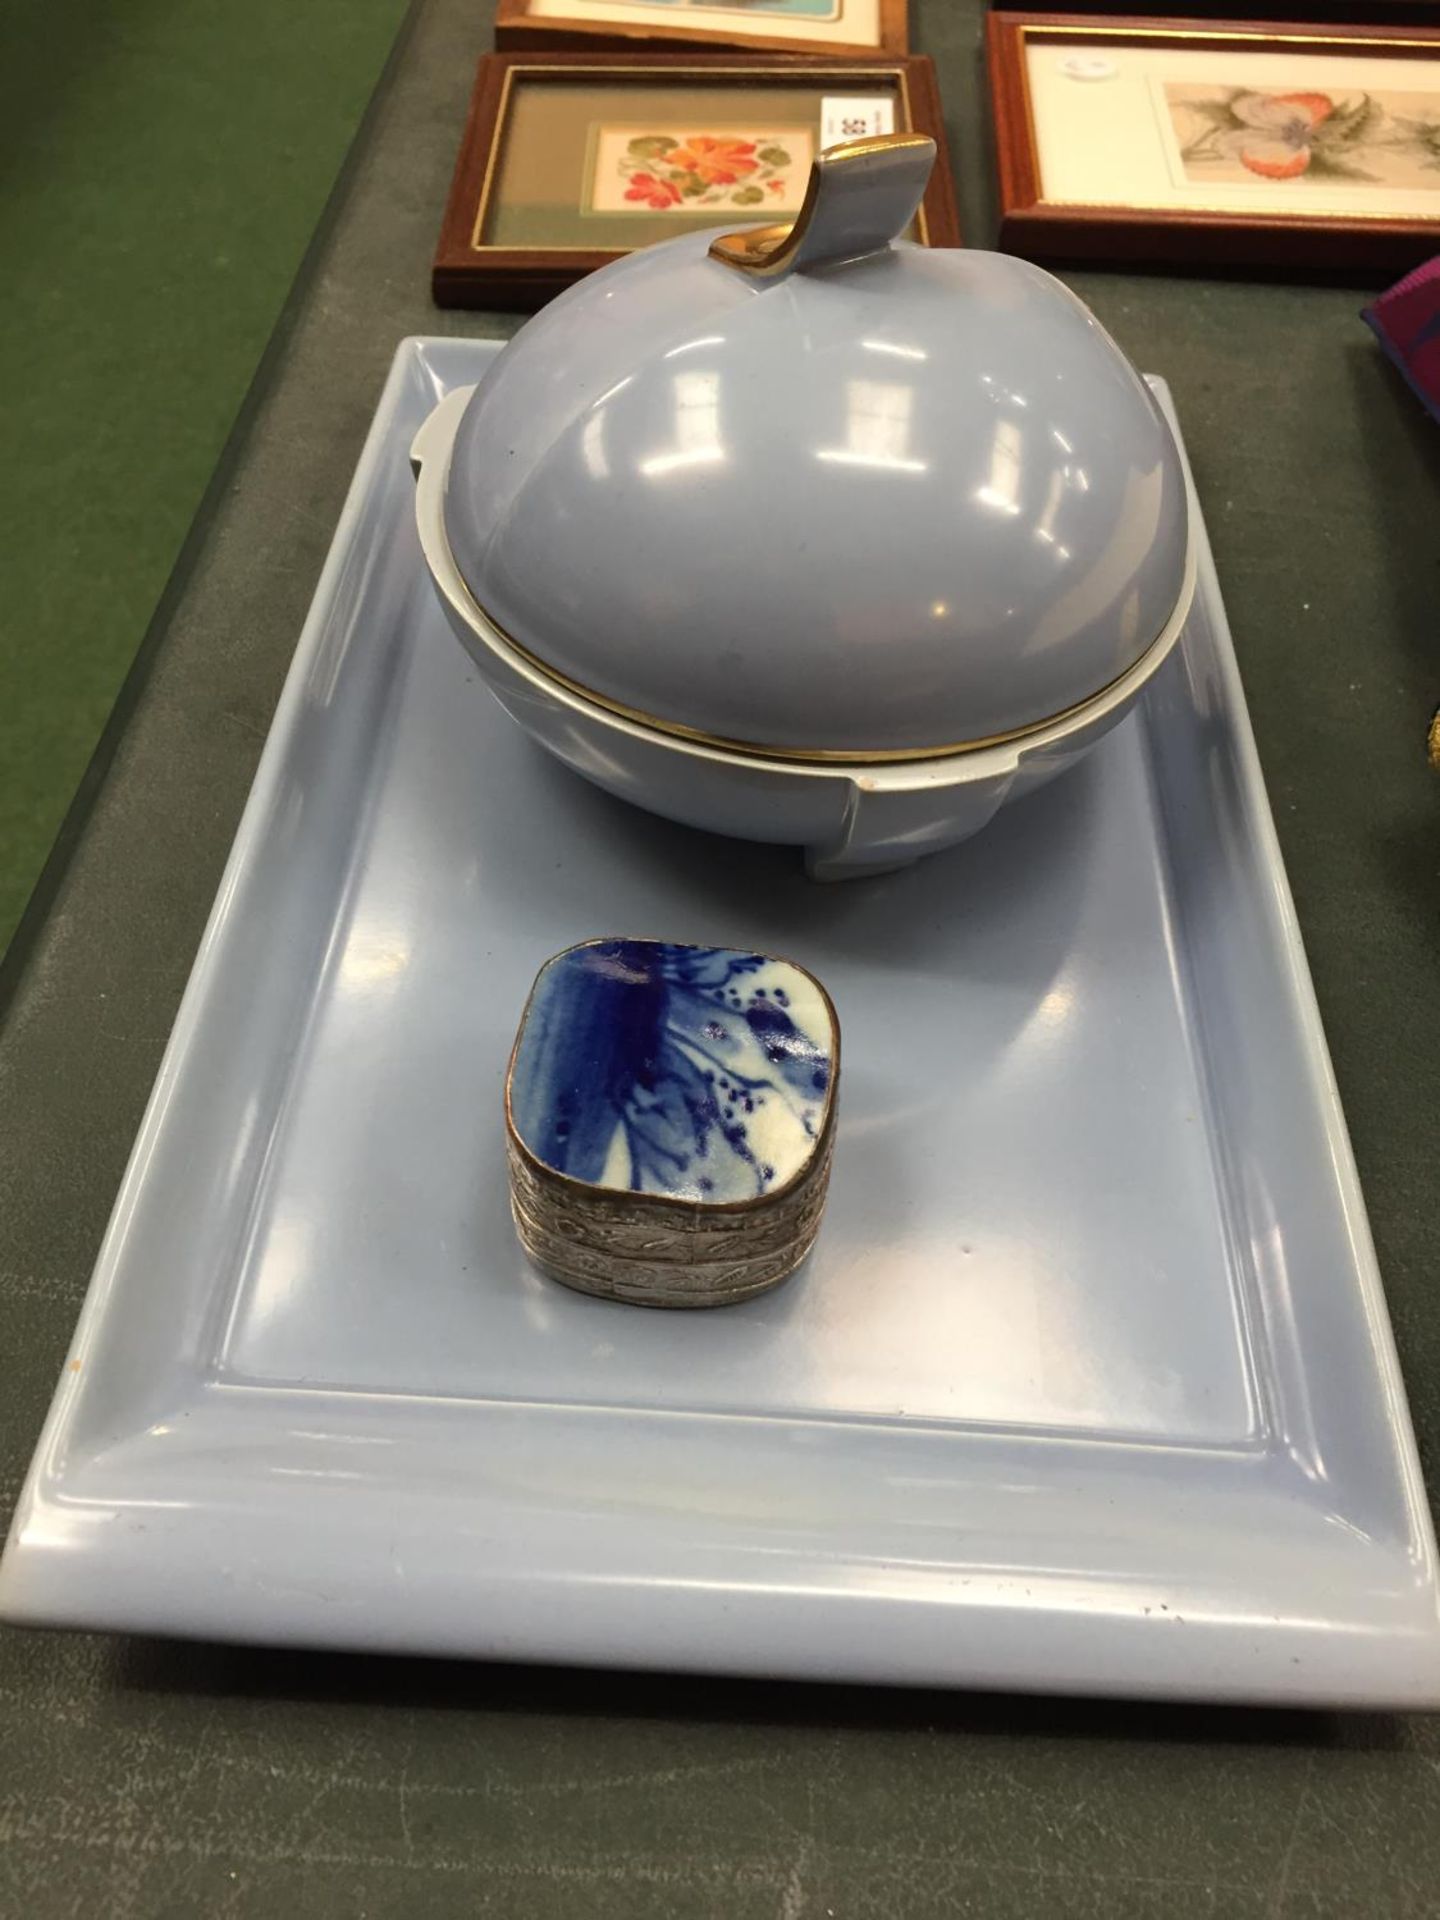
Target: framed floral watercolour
(1231, 143)
(569, 163)
(647, 168)
(766, 26)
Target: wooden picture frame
(519, 28)
(1210, 212)
(471, 270)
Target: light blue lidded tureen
(810, 534)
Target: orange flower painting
(718, 163)
(721, 172)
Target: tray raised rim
(166, 1514)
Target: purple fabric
(1406, 322)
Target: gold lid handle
(860, 197)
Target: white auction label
(851, 118)
(1088, 66)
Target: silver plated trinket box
(669, 1116)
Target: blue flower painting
(699, 1073)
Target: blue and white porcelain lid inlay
(693, 1073)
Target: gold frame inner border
(1232, 40)
(851, 72)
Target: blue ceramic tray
(1088, 1385)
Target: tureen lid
(821, 491)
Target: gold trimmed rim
(812, 756)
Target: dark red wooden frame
(1057, 230)
(468, 276)
(516, 31)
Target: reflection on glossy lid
(911, 500)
